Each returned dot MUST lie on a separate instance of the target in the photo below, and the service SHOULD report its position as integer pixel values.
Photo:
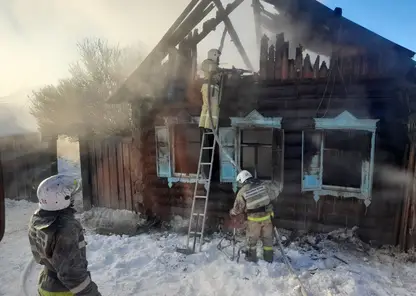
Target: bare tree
(77, 104)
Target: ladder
(200, 202)
(199, 212)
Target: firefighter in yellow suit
(255, 198)
(210, 69)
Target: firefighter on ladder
(57, 240)
(210, 67)
(255, 198)
(212, 81)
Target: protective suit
(57, 241)
(210, 69)
(255, 198)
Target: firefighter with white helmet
(255, 199)
(210, 67)
(57, 240)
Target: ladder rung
(203, 180)
(209, 133)
(205, 163)
(200, 196)
(196, 233)
(207, 148)
(198, 214)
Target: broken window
(186, 147)
(162, 151)
(254, 143)
(177, 150)
(256, 152)
(344, 153)
(338, 157)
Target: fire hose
(285, 259)
(23, 276)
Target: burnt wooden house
(331, 130)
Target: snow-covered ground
(148, 264)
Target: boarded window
(186, 140)
(344, 153)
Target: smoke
(41, 34)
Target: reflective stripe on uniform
(82, 244)
(259, 219)
(254, 204)
(81, 286)
(46, 293)
(256, 197)
(268, 248)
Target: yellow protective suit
(205, 121)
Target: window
(338, 157)
(177, 150)
(256, 152)
(255, 143)
(186, 146)
(344, 152)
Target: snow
(148, 264)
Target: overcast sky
(39, 36)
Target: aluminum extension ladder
(200, 202)
(198, 216)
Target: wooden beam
(224, 33)
(211, 24)
(180, 19)
(256, 11)
(406, 203)
(85, 173)
(194, 18)
(178, 31)
(233, 34)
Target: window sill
(183, 179)
(341, 192)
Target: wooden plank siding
(137, 187)
(110, 172)
(297, 104)
(25, 161)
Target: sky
(39, 36)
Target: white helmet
(56, 192)
(209, 66)
(243, 176)
(214, 54)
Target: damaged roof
(317, 15)
(320, 21)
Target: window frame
(255, 120)
(348, 122)
(172, 176)
(272, 146)
(173, 154)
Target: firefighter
(210, 67)
(57, 240)
(255, 198)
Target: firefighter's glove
(232, 214)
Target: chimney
(338, 11)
